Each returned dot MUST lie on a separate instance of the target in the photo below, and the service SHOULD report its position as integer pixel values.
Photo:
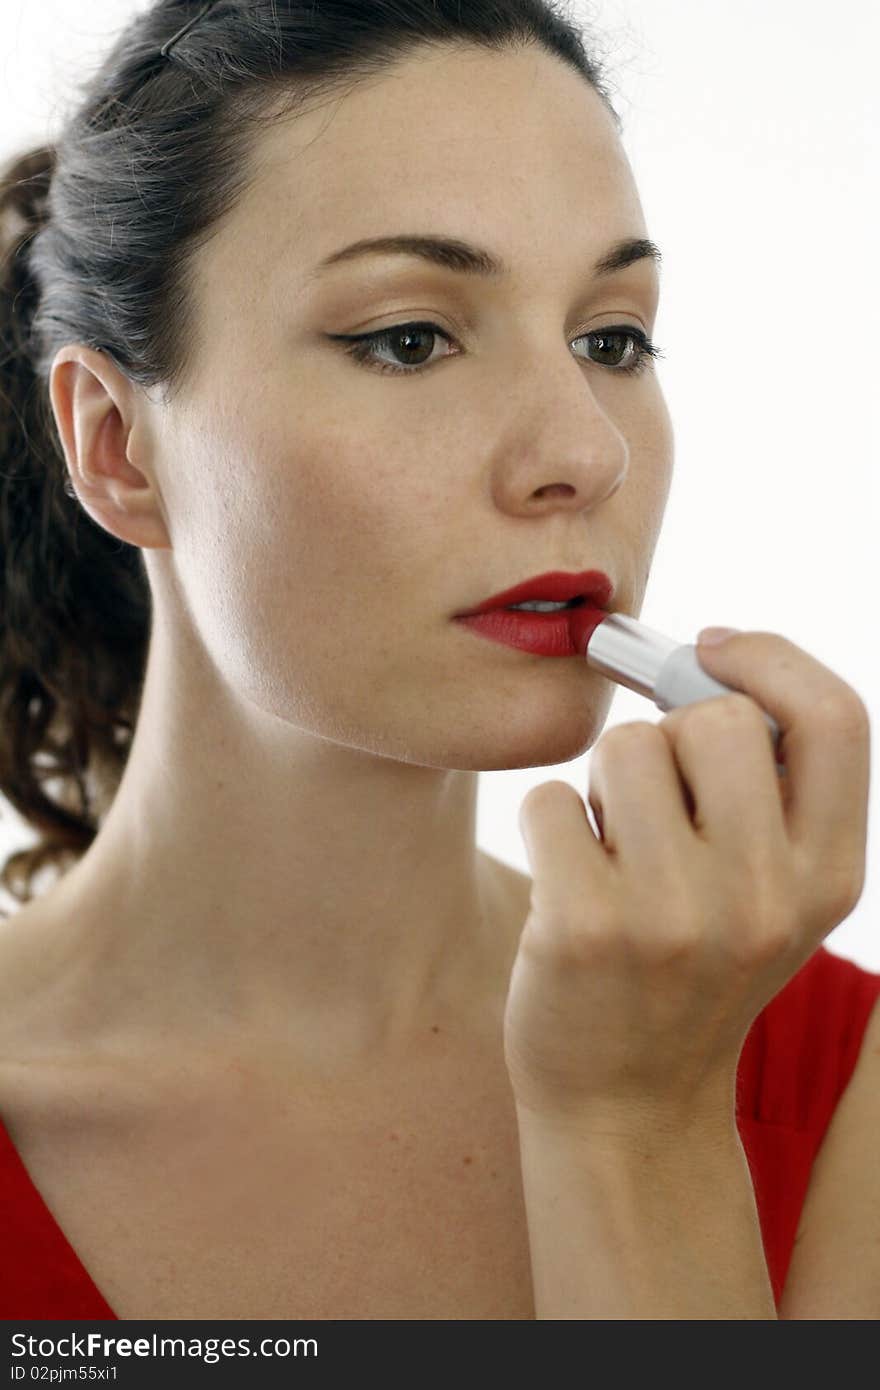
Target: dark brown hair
(97, 238)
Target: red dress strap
(795, 1065)
(41, 1275)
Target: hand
(649, 950)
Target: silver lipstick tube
(661, 669)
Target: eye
(415, 338)
(408, 339)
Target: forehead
(514, 143)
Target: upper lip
(555, 586)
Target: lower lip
(565, 633)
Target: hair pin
(167, 47)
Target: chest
(400, 1206)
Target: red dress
(796, 1061)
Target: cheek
(655, 482)
(638, 508)
(365, 509)
(282, 552)
(654, 448)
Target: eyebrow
(468, 259)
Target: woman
(282, 1042)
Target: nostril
(554, 489)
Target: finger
(723, 747)
(564, 853)
(824, 733)
(636, 786)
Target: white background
(753, 133)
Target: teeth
(541, 606)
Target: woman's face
(328, 519)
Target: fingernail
(711, 636)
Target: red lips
(555, 587)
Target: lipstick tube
(658, 667)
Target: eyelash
(362, 345)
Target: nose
(560, 448)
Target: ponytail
(73, 611)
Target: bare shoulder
(32, 989)
(15, 946)
(20, 1010)
(57, 1079)
(16, 1034)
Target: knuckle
(831, 883)
(678, 943)
(843, 710)
(637, 733)
(714, 717)
(543, 796)
(735, 711)
(539, 794)
(843, 890)
(776, 932)
(830, 893)
(768, 935)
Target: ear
(99, 414)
